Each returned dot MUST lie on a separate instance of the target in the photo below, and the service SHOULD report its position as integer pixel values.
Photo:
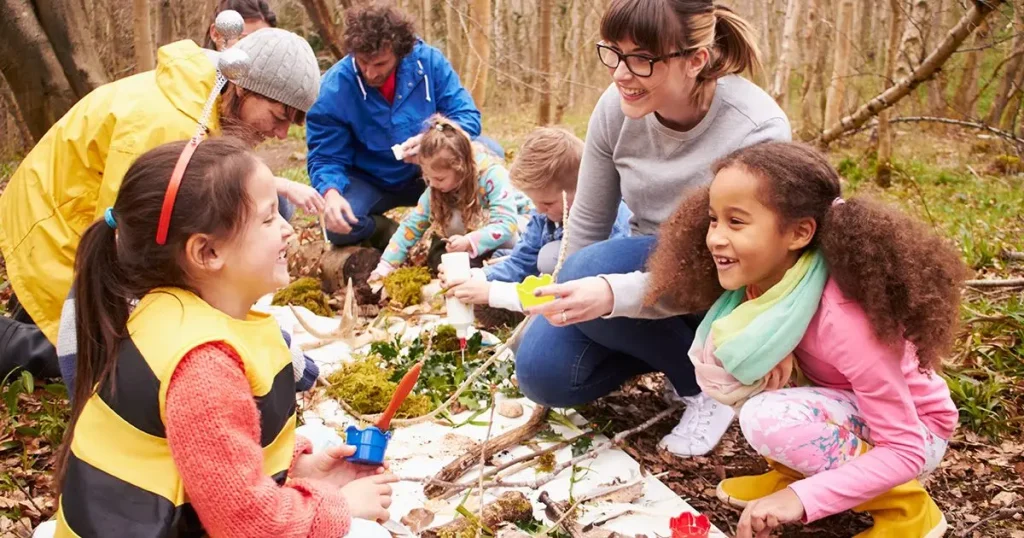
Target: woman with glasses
(676, 104)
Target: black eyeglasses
(640, 65)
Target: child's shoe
(905, 511)
(740, 490)
(703, 424)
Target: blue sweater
(522, 262)
(351, 127)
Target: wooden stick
(554, 511)
(948, 121)
(512, 437)
(1012, 256)
(996, 283)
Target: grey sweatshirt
(652, 167)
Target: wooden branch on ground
(996, 283)
(1002, 513)
(1012, 256)
(557, 513)
(511, 507)
(948, 121)
(967, 24)
(513, 437)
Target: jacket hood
(186, 74)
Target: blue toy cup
(370, 444)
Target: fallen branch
(996, 283)
(1002, 513)
(511, 507)
(971, 20)
(948, 121)
(512, 437)
(1012, 256)
(556, 513)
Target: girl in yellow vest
(184, 411)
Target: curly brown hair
(372, 28)
(906, 278)
(443, 134)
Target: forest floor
(970, 188)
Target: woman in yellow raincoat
(74, 172)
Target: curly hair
(443, 134)
(371, 28)
(906, 278)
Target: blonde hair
(550, 157)
(443, 134)
(666, 26)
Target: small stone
(509, 409)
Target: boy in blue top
(376, 98)
(547, 164)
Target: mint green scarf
(750, 337)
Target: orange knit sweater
(213, 429)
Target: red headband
(172, 189)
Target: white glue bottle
(460, 315)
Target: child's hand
(370, 497)
(471, 291)
(760, 517)
(382, 270)
(459, 243)
(330, 466)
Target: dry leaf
(1005, 498)
(418, 519)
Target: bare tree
(11, 106)
(912, 46)
(1007, 85)
(788, 52)
(143, 34)
(544, 54)
(965, 90)
(453, 34)
(165, 23)
(426, 19)
(841, 62)
(978, 12)
(323, 19)
(66, 26)
(30, 65)
(478, 63)
(883, 168)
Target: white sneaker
(703, 424)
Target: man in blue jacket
(377, 97)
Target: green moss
(368, 388)
(546, 463)
(404, 285)
(1007, 165)
(445, 339)
(304, 292)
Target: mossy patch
(366, 386)
(304, 292)
(1007, 165)
(404, 285)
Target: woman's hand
(459, 243)
(301, 195)
(763, 515)
(370, 497)
(576, 301)
(329, 465)
(471, 291)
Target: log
(510, 507)
(513, 437)
(338, 265)
(924, 72)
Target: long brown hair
(906, 278)
(445, 135)
(116, 266)
(666, 26)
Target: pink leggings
(814, 429)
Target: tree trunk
(322, 18)
(965, 90)
(30, 65)
(937, 87)
(544, 54)
(453, 37)
(165, 24)
(788, 53)
(11, 104)
(66, 26)
(478, 66)
(814, 61)
(1012, 109)
(1015, 65)
(426, 20)
(883, 170)
(978, 12)
(912, 46)
(867, 19)
(840, 62)
(143, 34)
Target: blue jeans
(367, 200)
(573, 365)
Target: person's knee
(768, 412)
(612, 256)
(360, 231)
(547, 258)
(539, 379)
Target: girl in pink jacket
(857, 299)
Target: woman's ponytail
(735, 49)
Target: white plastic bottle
(460, 315)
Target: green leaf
(9, 445)
(28, 381)
(27, 431)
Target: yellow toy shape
(528, 286)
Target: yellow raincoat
(73, 174)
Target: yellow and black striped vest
(121, 480)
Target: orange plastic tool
(401, 393)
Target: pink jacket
(840, 351)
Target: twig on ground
(1006, 255)
(554, 511)
(996, 283)
(1001, 513)
(483, 454)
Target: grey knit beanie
(282, 67)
